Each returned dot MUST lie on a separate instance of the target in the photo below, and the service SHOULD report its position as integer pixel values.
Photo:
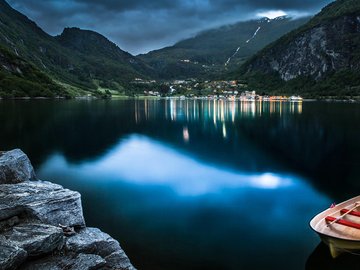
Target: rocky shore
(42, 224)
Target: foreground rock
(42, 225)
(10, 256)
(92, 240)
(42, 201)
(77, 262)
(36, 239)
(15, 167)
(89, 240)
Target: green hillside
(74, 68)
(18, 78)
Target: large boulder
(119, 260)
(15, 167)
(41, 201)
(36, 217)
(10, 256)
(92, 240)
(87, 262)
(36, 239)
(69, 262)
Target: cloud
(142, 25)
(271, 14)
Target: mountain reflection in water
(148, 188)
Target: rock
(36, 239)
(119, 260)
(35, 216)
(42, 201)
(78, 262)
(10, 256)
(88, 261)
(8, 223)
(48, 263)
(92, 240)
(15, 167)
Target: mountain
(19, 78)
(220, 49)
(103, 59)
(76, 60)
(321, 58)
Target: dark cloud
(142, 25)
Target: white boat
(339, 227)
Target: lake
(198, 184)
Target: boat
(339, 227)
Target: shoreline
(328, 100)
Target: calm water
(198, 184)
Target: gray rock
(15, 167)
(8, 223)
(36, 239)
(49, 263)
(40, 208)
(92, 240)
(10, 256)
(87, 262)
(119, 260)
(43, 201)
(78, 262)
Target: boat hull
(339, 246)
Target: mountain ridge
(321, 58)
(209, 50)
(310, 56)
(75, 70)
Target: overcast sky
(139, 26)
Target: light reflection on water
(217, 110)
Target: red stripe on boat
(353, 213)
(343, 222)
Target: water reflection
(320, 258)
(318, 140)
(180, 209)
(141, 160)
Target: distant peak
(272, 14)
(279, 18)
(283, 17)
(72, 29)
(79, 30)
(76, 32)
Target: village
(194, 89)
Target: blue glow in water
(143, 161)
